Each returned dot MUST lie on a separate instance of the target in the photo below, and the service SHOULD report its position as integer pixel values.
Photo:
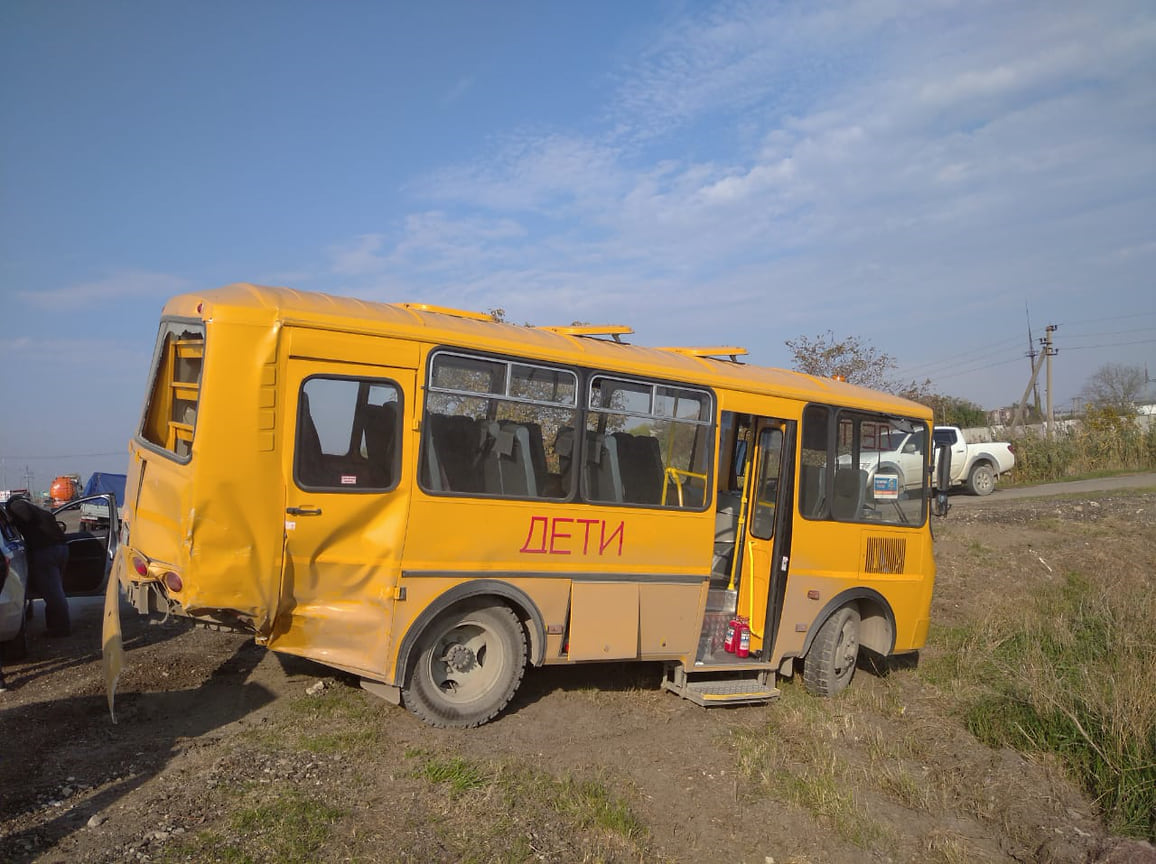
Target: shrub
(1104, 441)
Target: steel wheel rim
(984, 480)
(846, 649)
(465, 662)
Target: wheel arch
(515, 598)
(876, 620)
(985, 459)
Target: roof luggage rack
(718, 352)
(611, 330)
(446, 310)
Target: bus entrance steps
(709, 687)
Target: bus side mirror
(942, 478)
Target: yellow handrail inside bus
(676, 475)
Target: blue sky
(909, 173)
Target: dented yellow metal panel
(343, 550)
(216, 515)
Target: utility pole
(1032, 359)
(1050, 352)
(1018, 420)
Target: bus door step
(721, 687)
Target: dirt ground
(220, 745)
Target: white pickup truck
(976, 465)
(900, 452)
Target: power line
(1112, 318)
(1114, 332)
(975, 369)
(953, 359)
(1108, 345)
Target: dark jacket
(39, 527)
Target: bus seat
(507, 468)
(640, 464)
(310, 460)
(812, 480)
(537, 452)
(454, 447)
(849, 493)
(380, 441)
(603, 477)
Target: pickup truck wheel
(830, 662)
(470, 661)
(981, 480)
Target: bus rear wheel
(470, 661)
(830, 664)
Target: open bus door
(758, 577)
(766, 546)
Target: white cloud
(461, 87)
(845, 165)
(125, 284)
(358, 257)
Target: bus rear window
(170, 417)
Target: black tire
(16, 648)
(981, 479)
(830, 664)
(469, 664)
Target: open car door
(91, 528)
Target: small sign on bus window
(348, 479)
(886, 487)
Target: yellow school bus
(434, 501)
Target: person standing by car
(47, 557)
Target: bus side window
(647, 444)
(498, 428)
(348, 433)
(813, 474)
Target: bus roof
(268, 305)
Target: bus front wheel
(829, 665)
(470, 661)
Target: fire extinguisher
(730, 644)
(743, 640)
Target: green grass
(515, 799)
(797, 756)
(290, 828)
(459, 775)
(1071, 672)
(340, 719)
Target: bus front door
(346, 505)
(766, 538)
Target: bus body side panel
(829, 558)
(576, 561)
(343, 544)
(915, 637)
(198, 517)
